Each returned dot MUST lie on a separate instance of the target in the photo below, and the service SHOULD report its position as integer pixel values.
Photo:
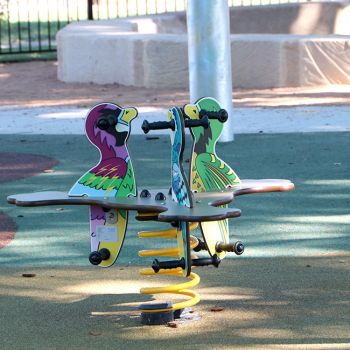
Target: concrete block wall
(272, 61)
(151, 52)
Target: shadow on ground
(295, 302)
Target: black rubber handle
(214, 260)
(166, 265)
(147, 126)
(221, 115)
(192, 123)
(237, 248)
(97, 257)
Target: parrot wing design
(212, 173)
(107, 176)
(127, 186)
(179, 187)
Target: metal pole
(89, 10)
(209, 53)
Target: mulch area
(8, 229)
(35, 84)
(15, 166)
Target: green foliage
(24, 57)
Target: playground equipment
(109, 189)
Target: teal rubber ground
(290, 290)
(313, 220)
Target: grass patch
(25, 57)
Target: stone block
(256, 61)
(165, 61)
(151, 51)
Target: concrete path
(55, 120)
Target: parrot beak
(129, 114)
(170, 115)
(191, 111)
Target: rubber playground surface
(290, 287)
(289, 290)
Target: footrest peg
(167, 265)
(201, 246)
(237, 248)
(97, 257)
(214, 260)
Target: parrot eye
(105, 122)
(195, 111)
(102, 124)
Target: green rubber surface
(313, 220)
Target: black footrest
(147, 126)
(166, 265)
(201, 246)
(214, 260)
(97, 257)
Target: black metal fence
(30, 26)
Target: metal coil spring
(182, 288)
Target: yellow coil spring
(182, 288)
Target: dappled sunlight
(289, 101)
(57, 285)
(78, 114)
(300, 293)
(328, 182)
(61, 173)
(86, 95)
(299, 346)
(266, 333)
(4, 76)
(270, 250)
(30, 288)
(228, 293)
(341, 25)
(319, 219)
(133, 305)
(266, 302)
(130, 313)
(307, 19)
(107, 287)
(288, 97)
(209, 326)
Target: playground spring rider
(109, 189)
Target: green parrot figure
(207, 171)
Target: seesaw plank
(168, 210)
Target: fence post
(209, 53)
(89, 10)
